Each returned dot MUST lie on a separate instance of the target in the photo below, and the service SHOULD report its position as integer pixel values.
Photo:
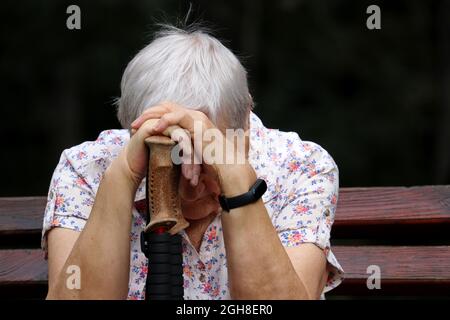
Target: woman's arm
(259, 266)
(102, 249)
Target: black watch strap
(253, 195)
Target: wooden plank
(360, 213)
(404, 270)
(393, 205)
(23, 274)
(397, 263)
(22, 266)
(394, 214)
(21, 215)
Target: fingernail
(134, 122)
(194, 181)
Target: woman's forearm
(102, 251)
(258, 265)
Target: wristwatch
(253, 195)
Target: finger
(196, 169)
(175, 132)
(144, 117)
(180, 117)
(156, 112)
(152, 113)
(147, 129)
(186, 171)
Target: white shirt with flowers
(301, 198)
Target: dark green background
(376, 100)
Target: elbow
(55, 292)
(52, 293)
(52, 296)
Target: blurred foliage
(373, 99)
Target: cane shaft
(160, 240)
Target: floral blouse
(301, 198)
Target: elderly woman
(275, 247)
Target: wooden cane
(161, 241)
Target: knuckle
(165, 118)
(149, 124)
(202, 116)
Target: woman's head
(191, 68)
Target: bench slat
(357, 207)
(22, 266)
(397, 263)
(404, 270)
(21, 215)
(393, 205)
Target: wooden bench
(403, 230)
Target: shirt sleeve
(70, 198)
(308, 213)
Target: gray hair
(190, 68)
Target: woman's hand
(164, 118)
(133, 160)
(234, 178)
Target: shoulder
(108, 144)
(90, 159)
(285, 154)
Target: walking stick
(160, 240)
